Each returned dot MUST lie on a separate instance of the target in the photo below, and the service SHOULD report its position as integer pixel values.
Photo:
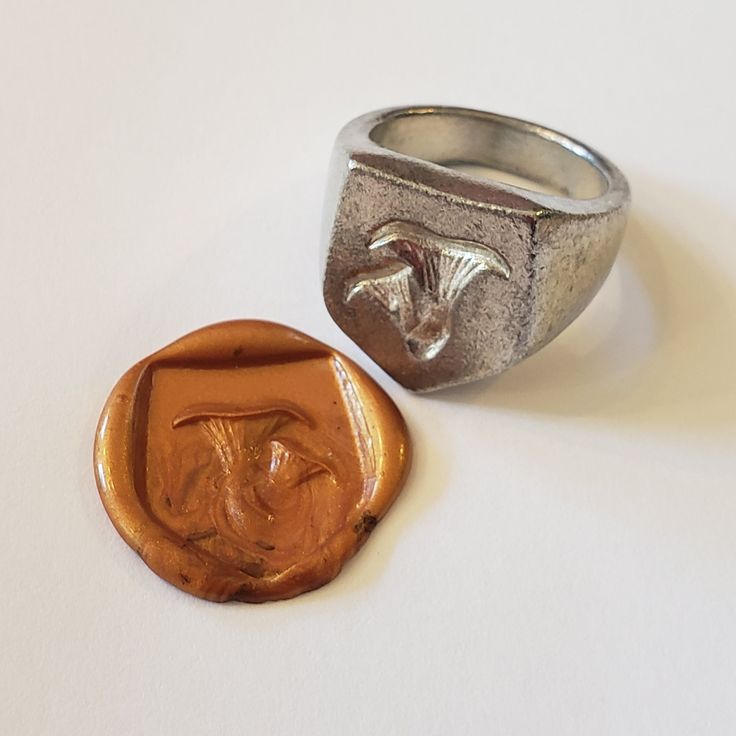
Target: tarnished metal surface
(444, 277)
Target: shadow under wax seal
(247, 461)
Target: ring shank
(455, 136)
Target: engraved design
(255, 497)
(419, 279)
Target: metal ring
(443, 275)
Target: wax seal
(247, 461)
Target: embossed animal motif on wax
(420, 277)
(253, 492)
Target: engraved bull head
(419, 279)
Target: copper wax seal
(248, 461)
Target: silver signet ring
(444, 275)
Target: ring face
(247, 461)
(444, 278)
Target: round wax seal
(248, 461)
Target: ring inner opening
(501, 149)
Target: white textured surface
(562, 560)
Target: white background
(563, 558)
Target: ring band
(443, 275)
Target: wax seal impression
(247, 461)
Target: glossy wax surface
(248, 461)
